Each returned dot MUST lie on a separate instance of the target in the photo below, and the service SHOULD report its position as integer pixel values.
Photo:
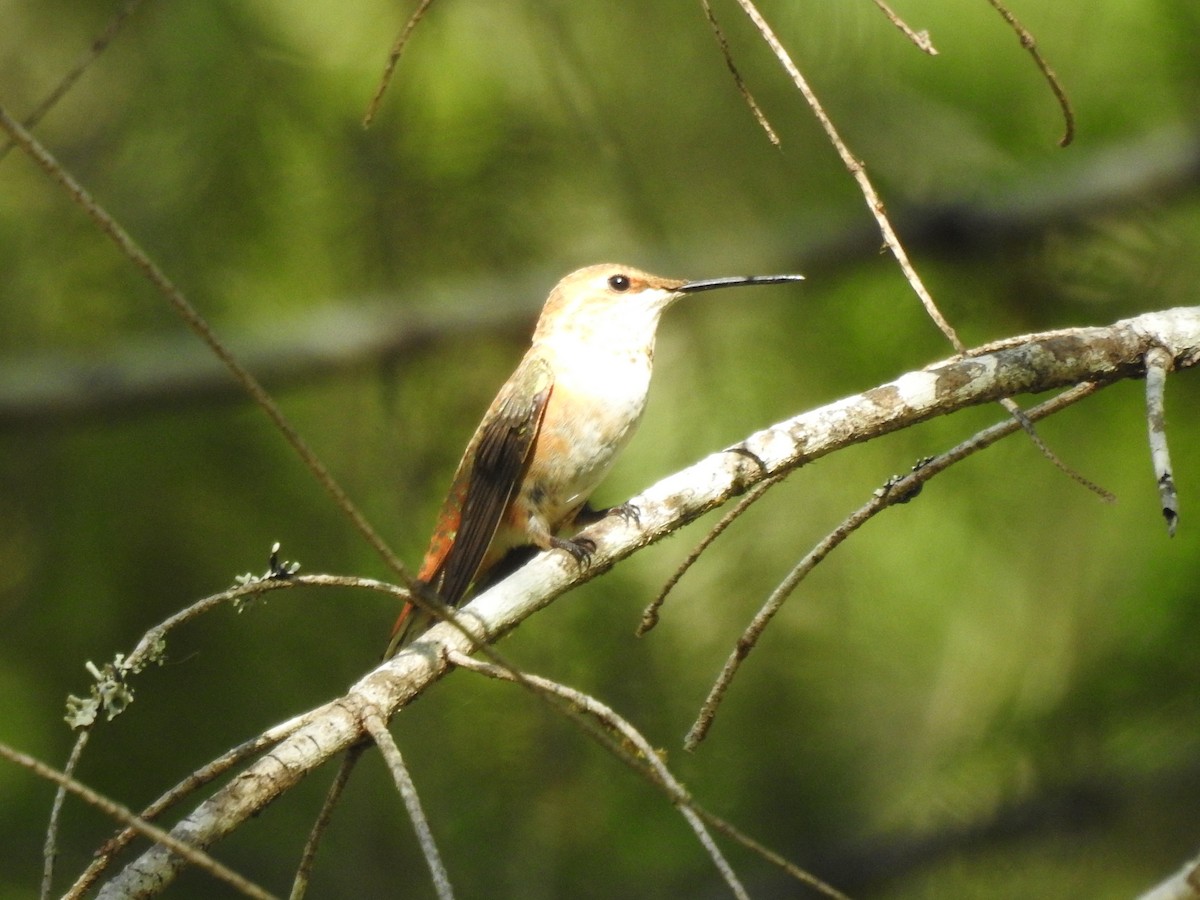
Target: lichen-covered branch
(1027, 364)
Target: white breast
(598, 399)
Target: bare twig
(393, 59)
(899, 490)
(1036, 439)
(309, 855)
(766, 853)
(1060, 94)
(375, 725)
(650, 613)
(112, 682)
(643, 758)
(858, 171)
(1158, 364)
(132, 251)
(755, 109)
(111, 693)
(97, 46)
(116, 811)
(50, 848)
(199, 778)
(920, 39)
(646, 761)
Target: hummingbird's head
(607, 293)
(611, 298)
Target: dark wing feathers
(502, 450)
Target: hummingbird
(552, 433)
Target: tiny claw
(580, 548)
(627, 511)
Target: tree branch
(1020, 365)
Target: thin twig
(1031, 432)
(196, 322)
(858, 171)
(192, 854)
(393, 58)
(650, 614)
(50, 848)
(759, 115)
(900, 490)
(202, 776)
(97, 46)
(1158, 364)
(111, 692)
(324, 817)
(764, 852)
(377, 728)
(1029, 43)
(920, 39)
(644, 760)
(151, 647)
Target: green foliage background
(990, 692)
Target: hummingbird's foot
(580, 548)
(627, 511)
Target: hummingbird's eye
(619, 283)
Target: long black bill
(709, 284)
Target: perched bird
(553, 431)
